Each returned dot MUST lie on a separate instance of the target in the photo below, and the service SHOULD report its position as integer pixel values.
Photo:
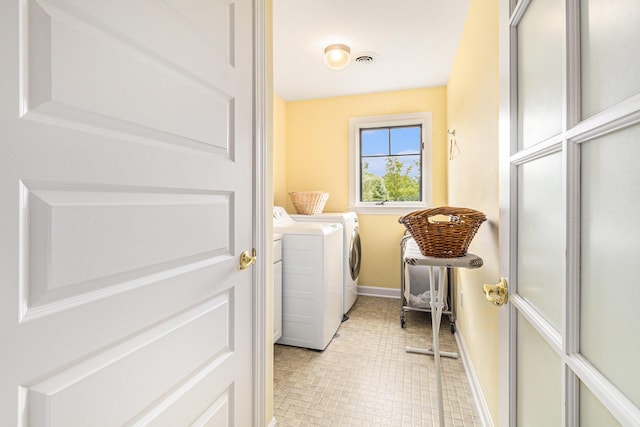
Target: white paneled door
(570, 146)
(125, 202)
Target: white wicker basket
(309, 202)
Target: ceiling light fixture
(337, 56)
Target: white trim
(572, 190)
(518, 12)
(538, 151)
(571, 300)
(273, 422)
(259, 339)
(573, 77)
(425, 119)
(374, 291)
(571, 390)
(611, 397)
(619, 116)
(386, 210)
(507, 142)
(474, 382)
(547, 332)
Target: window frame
(356, 124)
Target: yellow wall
(317, 158)
(472, 110)
(280, 197)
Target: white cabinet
(277, 288)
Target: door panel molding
(53, 398)
(67, 81)
(102, 257)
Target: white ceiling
(414, 43)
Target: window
(390, 163)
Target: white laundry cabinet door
(125, 202)
(277, 289)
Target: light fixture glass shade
(337, 56)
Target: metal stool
(413, 256)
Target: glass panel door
(539, 36)
(539, 379)
(610, 62)
(570, 183)
(541, 230)
(609, 291)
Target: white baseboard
(374, 291)
(273, 422)
(474, 383)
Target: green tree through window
(373, 186)
(391, 164)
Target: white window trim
(355, 124)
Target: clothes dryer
(311, 280)
(351, 250)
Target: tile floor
(365, 377)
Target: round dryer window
(354, 254)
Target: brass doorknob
(246, 260)
(497, 294)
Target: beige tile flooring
(365, 377)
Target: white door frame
(259, 304)
(504, 243)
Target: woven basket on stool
(443, 239)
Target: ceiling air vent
(365, 58)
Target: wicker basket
(309, 202)
(443, 239)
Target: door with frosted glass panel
(570, 195)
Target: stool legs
(437, 306)
(436, 314)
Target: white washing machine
(351, 251)
(311, 280)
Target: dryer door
(354, 254)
